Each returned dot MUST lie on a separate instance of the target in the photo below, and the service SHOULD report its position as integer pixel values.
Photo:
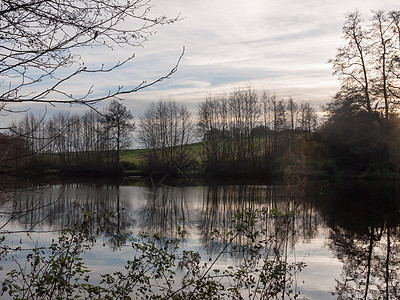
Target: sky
(282, 46)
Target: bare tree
(381, 31)
(165, 129)
(351, 63)
(394, 62)
(368, 64)
(279, 111)
(245, 131)
(118, 123)
(292, 109)
(308, 119)
(41, 42)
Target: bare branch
(41, 41)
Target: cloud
(278, 45)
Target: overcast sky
(278, 45)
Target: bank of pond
(307, 158)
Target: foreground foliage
(161, 269)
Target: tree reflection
(206, 210)
(54, 208)
(165, 209)
(363, 220)
(201, 210)
(365, 234)
(24, 205)
(222, 203)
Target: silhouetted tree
(165, 129)
(354, 136)
(292, 109)
(368, 69)
(368, 64)
(243, 131)
(118, 122)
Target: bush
(263, 272)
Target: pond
(347, 233)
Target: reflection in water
(201, 210)
(363, 220)
(165, 208)
(365, 235)
(220, 204)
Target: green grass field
(134, 156)
(137, 156)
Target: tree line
(88, 142)
(247, 131)
(241, 132)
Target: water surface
(346, 233)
